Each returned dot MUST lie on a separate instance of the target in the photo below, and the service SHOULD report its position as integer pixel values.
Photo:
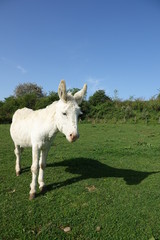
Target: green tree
(73, 90)
(7, 109)
(99, 97)
(28, 100)
(53, 96)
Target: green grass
(104, 186)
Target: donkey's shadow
(87, 168)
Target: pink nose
(74, 137)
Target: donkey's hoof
(18, 173)
(32, 196)
(43, 189)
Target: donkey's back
(21, 126)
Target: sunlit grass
(104, 186)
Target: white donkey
(38, 128)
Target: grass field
(104, 186)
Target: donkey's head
(67, 111)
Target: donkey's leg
(34, 170)
(17, 152)
(42, 165)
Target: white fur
(37, 129)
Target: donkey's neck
(50, 116)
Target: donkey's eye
(64, 113)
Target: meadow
(104, 186)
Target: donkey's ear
(62, 91)
(78, 96)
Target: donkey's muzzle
(73, 137)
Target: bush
(98, 107)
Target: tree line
(98, 108)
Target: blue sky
(108, 44)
